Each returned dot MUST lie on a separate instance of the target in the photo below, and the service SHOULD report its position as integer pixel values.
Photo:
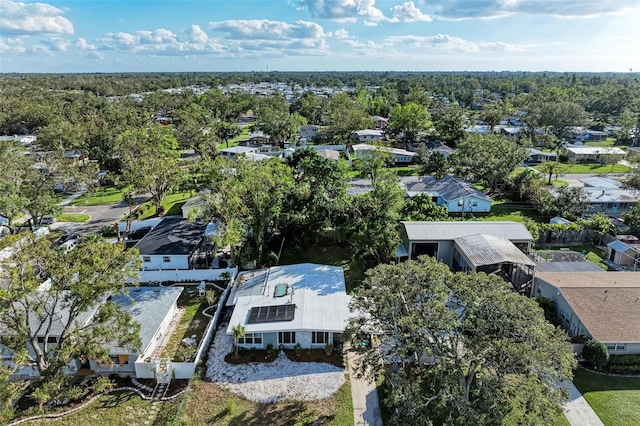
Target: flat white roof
(397, 151)
(595, 150)
(317, 291)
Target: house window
(146, 259)
(474, 204)
(320, 337)
(616, 346)
(50, 339)
(166, 258)
(287, 337)
(251, 339)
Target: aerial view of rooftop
(320, 212)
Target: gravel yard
(270, 382)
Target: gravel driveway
(271, 382)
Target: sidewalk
(366, 407)
(71, 197)
(578, 411)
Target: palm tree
(238, 332)
(550, 168)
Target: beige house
(600, 305)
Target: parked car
(48, 220)
(66, 237)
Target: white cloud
(341, 34)
(449, 43)
(465, 9)
(343, 10)
(264, 29)
(408, 12)
(17, 18)
(82, 44)
(12, 45)
(162, 42)
(56, 44)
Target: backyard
(193, 322)
(591, 168)
(515, 211)
(615, 399)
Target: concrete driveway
(578, 411)
(366, 406)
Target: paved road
(578, 411)
(100, 216)
(366, 406)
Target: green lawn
(99, 196)
(508, 211)
(117, 409)
(614, 399)
(559, 183)
(592, 168)
(73, 217)
(606, 143)
(243, 136)
(327, 255)
(208, 404)
(193, 321)
(406, 170)
(172, 205)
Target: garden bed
(246, 356)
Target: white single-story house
(456, 194)
(171, 244)
(399, 156)
(310, 131)
(595, 153)
(537, 156)
(438, 239)
(305, 304)
(381, 122)
(609, 200)
(600, 182)
(235, 151)
(367, 135)
(153, 308)
(602, 306)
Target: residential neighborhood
(268, 243)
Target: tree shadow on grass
(117, 398)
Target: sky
(319, 35)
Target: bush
(624, 369)
(328, 349)
(632, 359)
(108, 231)
(595, 353)
(549, 308)
(580, 338)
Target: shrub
(108, 231)
(270, 349)
(624, 369)
(580, 338)
(632, 359)
(549, 308)
(297, 349)
(328, 349)
(595, 353)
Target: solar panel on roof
(274, 313)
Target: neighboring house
(196, 203)
(235, 151)
(258, 138)
(172, 244)
(381, 122)
(367, 135)
(623, 254)
(602, 306)
(305, 304)
(595, 153)
(331, 154)
(600, 182)
(435, 146)
(511, 131)
(634, 150)
(583, 134)
(607, 200)
(399, 156)
(310, 131)
(153, 308)
(454, 193)
(536, 156)
(437, 239)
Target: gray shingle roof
(450, 188)
(148, 306)
(173, 236)
(433, 231)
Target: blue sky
(319, 35)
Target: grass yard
(117, 409)
(73, 217)
(406, 170)
(327, 255)
(614, 399)
(559, 183)
(592, 253)
(243, 136)
(193, 321)
(208, 404)
(99, 197)
(508, 211)
(609, 142)
(592, 168)
(172, 205)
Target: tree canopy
(459, 349)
